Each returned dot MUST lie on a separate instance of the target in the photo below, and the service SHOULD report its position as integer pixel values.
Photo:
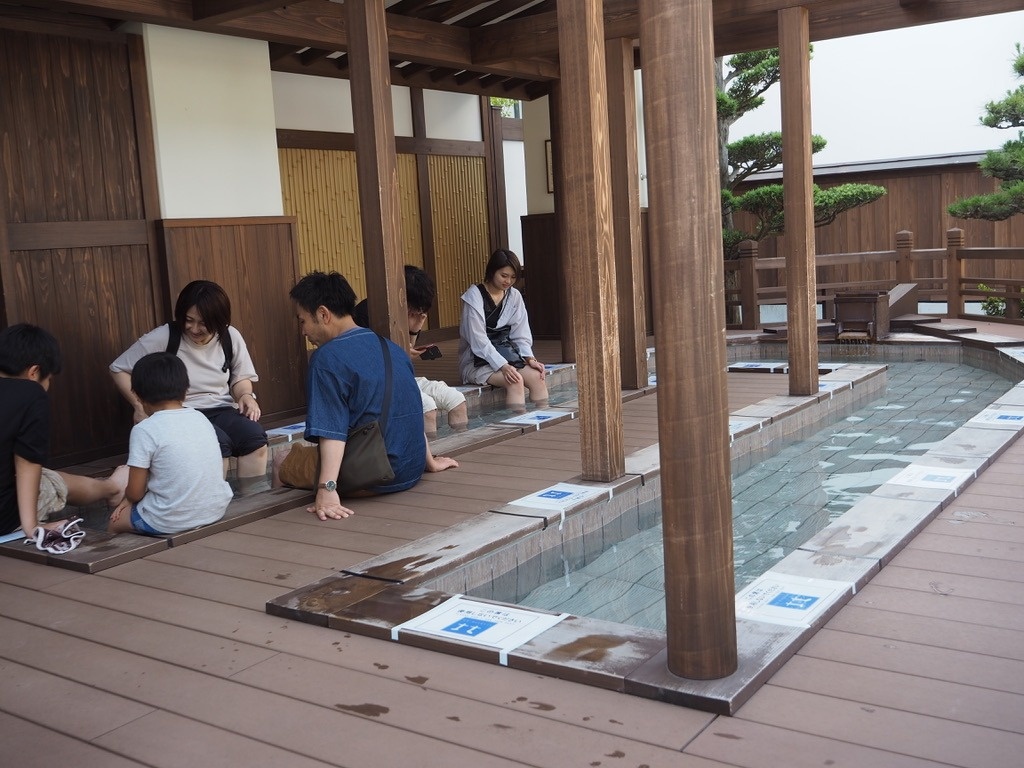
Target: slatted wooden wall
(255, 261)
(459, 208)
(77, 198)
(320, 189)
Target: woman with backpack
(220, 373)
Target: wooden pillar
(590, 262)
(629, 267)
(376, 167)
(954, 272)
(798, 203)
(687, 291)
(565, 316)
(494, 164)
(904, 256)
(423, 195)
(749, 308)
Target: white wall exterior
(304, 103)
(537, 130)
(213, 124)
(452, 116)
(515, 192)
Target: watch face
(330, 485)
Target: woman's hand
(511, 375)
(248, 406)
(537, 365)
(328, 505)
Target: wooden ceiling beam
(317, 24)
(740, 25)
(225, 10)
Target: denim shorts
(141, 525)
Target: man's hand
(328, 506)
(440, 463)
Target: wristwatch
(329, 486)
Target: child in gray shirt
(175, 472)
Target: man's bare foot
(118, 481)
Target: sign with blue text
(997, 417)
(536, 418)
(562, 496)
(491, 625)
(940, 478)
(796, 601)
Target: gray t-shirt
(186, 473)
(208, 384)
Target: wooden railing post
(749, 309)
(904, 265)
(954, 272)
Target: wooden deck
(171, 660)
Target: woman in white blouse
(496, 345)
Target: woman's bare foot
(118, 482)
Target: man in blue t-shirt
(345, 389)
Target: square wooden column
(589, 254)
(565, 314)
(798, 200)
(688, 301)
(376, 167)
(629, 267)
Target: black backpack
(174, 341)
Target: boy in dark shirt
(29, 358)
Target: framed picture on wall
(549, 166)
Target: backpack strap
(173, 338)
(174, 341)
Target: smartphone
(430, 353)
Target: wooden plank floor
(172, 661)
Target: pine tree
(741, 85)
(1006, 164)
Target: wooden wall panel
(459, 208)
(255, 261)
(79, 257)
(81, 296)
(70, 128)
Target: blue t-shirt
(345, 389)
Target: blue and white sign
(291, 432)
(832, 386)
(536, 418)
(795, 601)
(760, 367)
(492, 625)
(941, 478)
(562, 497)
(996, 417)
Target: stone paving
(780, 503)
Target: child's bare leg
(123, 523)
(83, 490)
(430, 423)
(458, 417)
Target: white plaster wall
(515, 192)
(452, 116)
(537, 130)
(213, 124)
(305, 103)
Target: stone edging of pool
(385, 591)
